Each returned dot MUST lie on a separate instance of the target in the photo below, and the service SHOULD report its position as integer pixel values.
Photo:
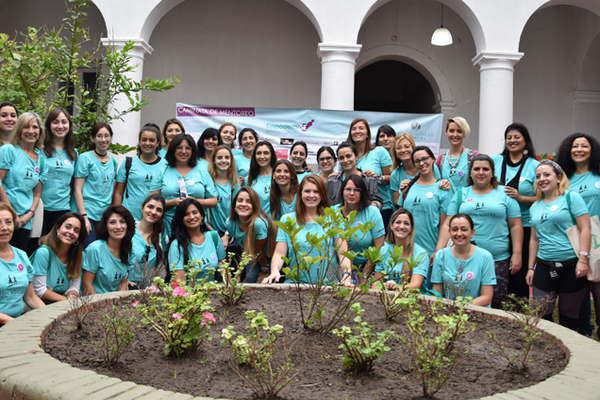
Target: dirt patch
(207, 372)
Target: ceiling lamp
(441, 36)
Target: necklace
(453, 162)
(99, 154)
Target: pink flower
(208, 317)
(135, 303)
(153, 289)
(177, 315)
(179, 291)
(469, 276)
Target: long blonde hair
(563, 181)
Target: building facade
(535, 61)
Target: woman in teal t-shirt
(107, 260)
(57, 262)
(193, 247)
(228, 134)
(261, 170)
(95, 175)
(171, 129)
(224, 174)
(454, 164)
(207, 144)
(247, 139)
(20, 170)
(335, 267)
(248, 230)
(464, 270)
(284, 189)
(356, 198)
(426, 201)
(579, 156)
(147, 246)
(59, 166)
(140, 175)
(297, 156)
(398, 249)
(16, 291)
(497, 219)
(554, 268)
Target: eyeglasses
(422, 160)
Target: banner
(317, 128)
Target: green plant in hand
(255, 349)
(361, 346)
(231, 290)
(181, 314)
(117, 334)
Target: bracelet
(532, 268)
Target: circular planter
(28, 373)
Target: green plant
(433, 350)
(255, 349)
(117, 334)
(231, 290)
(527, 313)
(360, 345)
(181, 314)
(314, 270)
(42, 68)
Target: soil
(318, 370)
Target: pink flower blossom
(179, 291)
(177, 315)
(135, 303)
(208, 317)
(153, 289)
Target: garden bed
(318, 370)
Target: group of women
(473, 225)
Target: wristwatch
(584, 253)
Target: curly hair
(564, 159)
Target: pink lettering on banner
(212, 111)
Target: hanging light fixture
(441, 36)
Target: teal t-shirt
(490, 213)
(456, 169)
(109, 270)
(361, 241)
(144, 258)
(205, 256)
(262, 187)
(394, 271)
(551, 221)
(56, 177)
(463, 277)
(162, 152)
(15, 276)
(301, 175)
(588, 187)
(399, 174)
(99, 183)
(427, 203)
(198, 183)
(219, 214)
(143, 179)
(242, 163)
(526, 182)
(285, 208)
(261, 230)
(22, 176)
(45, 263)
(326, 269)
(376, 160)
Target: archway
(393, 86)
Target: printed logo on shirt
(479, 206)
(544, 218)
(59, 164)
(20, 267)
(469, 276)
(118, 276)
(148, 178)
(417, 201)
(60, 281)
(12, 280)
(582, 188)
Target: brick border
(28, 373)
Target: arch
(164, 6)
(458, 6)
(416, 59)
(592, 48)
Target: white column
(126, 130)
(495, 97)
(338, 62)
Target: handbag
(573, 235)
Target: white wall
(226, 52)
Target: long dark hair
(157, 228)
(75, 253)
(564, 159)
(69, 140)
(522, 129)
(102, 231)
(275, 195)
(417, 175)
(169, 122)
(359, 182)
(207, 134)
(368, 145)
(254, 168)
(305, 147)
(179, 230)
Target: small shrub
(181, 314)
(255, 349)
(361, 346)
(118, 333)
(527, 313)
(80, 307)
(433, 351)
(231, 290)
